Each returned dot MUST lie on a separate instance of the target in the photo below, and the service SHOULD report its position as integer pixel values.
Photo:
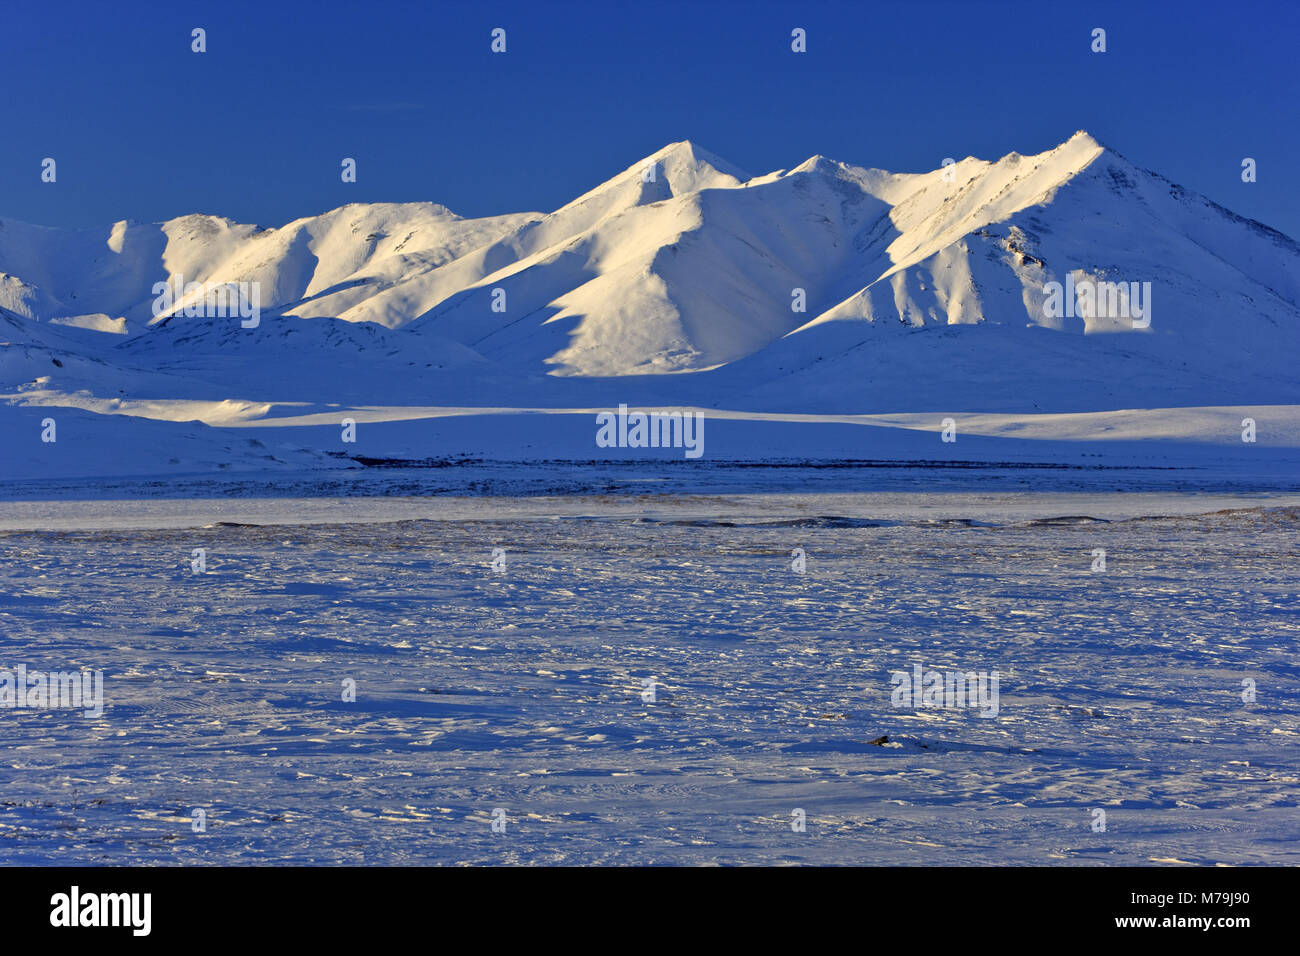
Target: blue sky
(255, 129)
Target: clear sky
(255, 128)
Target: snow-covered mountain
(822, 288)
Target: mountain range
(826, 289)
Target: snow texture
(521, 689)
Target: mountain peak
(685, 155)
(1064, 161)
(815, 163)
(683, 147)
(1085, 148)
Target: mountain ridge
(686, 269)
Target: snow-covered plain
(521, 688)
